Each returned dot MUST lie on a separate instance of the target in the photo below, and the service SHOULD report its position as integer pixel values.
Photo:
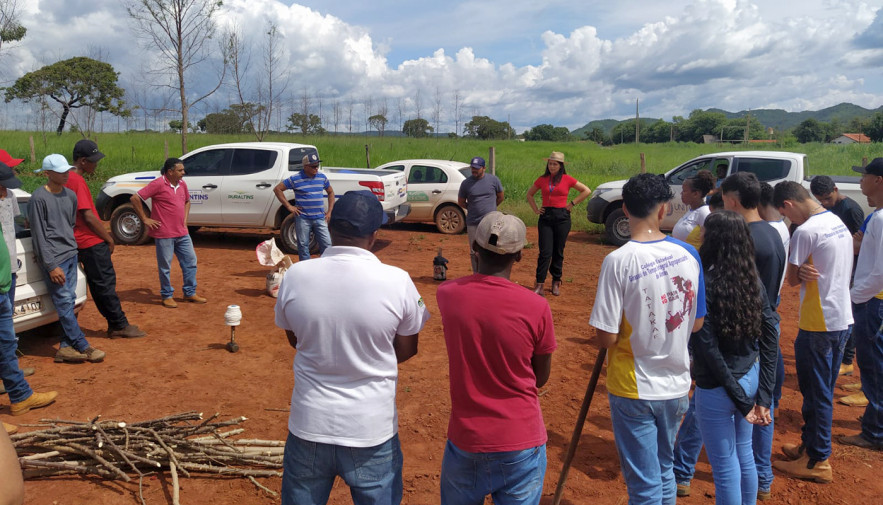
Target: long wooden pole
(580, 421)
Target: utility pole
(637, 124)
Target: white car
(33, 305)
(432, 192)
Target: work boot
(859, 441)
(130, 331)
(10, 428)
(556, 288)
(854, 386)
(69, 355)
(93, 355)
(194, 298)
(35, 401)
(169, 303)
(793, 451)
(855, 400)
(763, 494)
(27, 373)
(846, 369)
(683, 490)
(806, 468)
(539, 288)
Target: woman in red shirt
(553, 223)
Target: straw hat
(556, 156)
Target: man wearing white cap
(500, 339)
(52, 214)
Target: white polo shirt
(346, 308)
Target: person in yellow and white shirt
(693, 192)
(820, 261)
(867, 300)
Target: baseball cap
(7, 177)
(55, 163)
(310, 159)
(500, 233)
(875, 167)
(477, 162)
(359, 212)
(8, 160)
(87, 149)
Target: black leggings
(553, 226)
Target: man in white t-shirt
(651, 295)
(351, 319)
(820, 261)
(867, 300)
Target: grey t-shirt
(481, 197)
(52, 218)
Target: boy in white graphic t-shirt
(651, 295)
(820, 261)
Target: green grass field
(518, 164)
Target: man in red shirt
(500, 339)
(168, 226)
(95, 245)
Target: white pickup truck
(231, 186)
(605, 206)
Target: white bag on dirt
(270, 255)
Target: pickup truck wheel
(288, 237)
(616, 228)
(450, 220)
(126, 227)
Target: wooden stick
(175, 488)
(269, 491)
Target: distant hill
(775, 118)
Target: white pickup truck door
(247, 190)
(205, 173)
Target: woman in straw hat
(553, 223)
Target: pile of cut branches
(117, 450)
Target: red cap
(9, 160)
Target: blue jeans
(727, 437)
(374, 474)
(688, 445)
(644, 431)
(762, 438)
(511, 478)
(303, 227)
(818, 355)
(65, 299)
(869, 346)
(182, 248)
(13, 379)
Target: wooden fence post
(33, 151)
(864, 161)
(643, 164)
(166, 146)
(492, 160)
(367, 157)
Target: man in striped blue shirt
(309, 207)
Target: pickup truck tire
(450, 220)
(126, 227)
(616, 228)
(288, 237)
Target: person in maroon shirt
(95, 245)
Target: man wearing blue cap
(309, 208)
(479, 195)
(343, 419)
(52, 214)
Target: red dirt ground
(182, 365)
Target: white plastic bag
(268, 254)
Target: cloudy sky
(528, 61)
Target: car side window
(400, 168)
(252, 161)
(764, 169)
(213, 162)
(688, 171)
(296, 157)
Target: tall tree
(10, 29)
(809, 130)
(180, 30)
(417, 128)
(483, 127)
(74, 83)
(378, 122)
(874, 129)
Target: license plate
(27, 306)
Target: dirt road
(182, 365)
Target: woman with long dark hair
(733, 390)
(553, 223)
(693, 192)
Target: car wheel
(126, 227)
(450, 220)
(288, 237)
(616, 228)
